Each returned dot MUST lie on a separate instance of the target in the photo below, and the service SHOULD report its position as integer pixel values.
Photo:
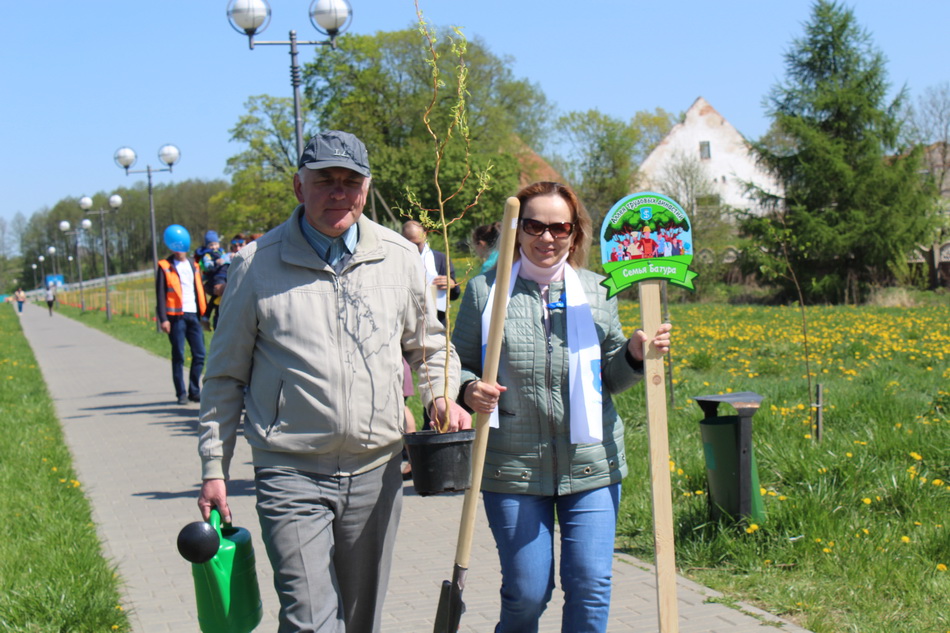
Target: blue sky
(81, 79)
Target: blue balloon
(177, 238)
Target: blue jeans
(187, 327)
(523, 527)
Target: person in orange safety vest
(181, 303)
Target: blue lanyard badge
(560, 303)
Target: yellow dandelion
(916, 456)
(762, 492)
(849, 455)
(700, 492)
(941, 567)
(905, 539)
(752, 528)
(782, 498)
(826, 550)
(807, 436)
(937, 482)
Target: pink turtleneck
(542, 275)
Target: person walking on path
(319, 314)
(20, 297)
(558, 450)
(181, 303)
(50, 298)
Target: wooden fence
(134, 303)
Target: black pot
(441, 462)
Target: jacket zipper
(337, 288)
(548, 381)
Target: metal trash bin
(731, 469)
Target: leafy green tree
(261, 194)
(850, 213)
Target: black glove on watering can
(225, 573)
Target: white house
(725, 161)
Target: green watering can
(225, 573)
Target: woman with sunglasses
(558, 449)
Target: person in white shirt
(180, 305)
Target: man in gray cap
(319, 314)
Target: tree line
(861, 187)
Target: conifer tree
(853, 208)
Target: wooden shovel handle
(506, 254)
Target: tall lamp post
(84, 225)
(169, 155)
(42, 259)
(115, 201)
(52, 255)
(33, 266)
(329, 17)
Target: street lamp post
(84, 225)
(33, 266)
(42, 259)
(169, 155)
(115, 202)
(52, 255)
(329, 17)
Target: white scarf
(428, 262)
(584, 375)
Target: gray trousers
(330, 542)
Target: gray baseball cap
(335, 149)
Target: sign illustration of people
(646, 236)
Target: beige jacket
(315, 358)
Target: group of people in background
(321, 317)
(188, 292)
(49, 296)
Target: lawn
(53, 577)
(856, 534)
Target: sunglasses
(558, 230)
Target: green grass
(53, 576)
(856, 535)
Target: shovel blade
(448, 617)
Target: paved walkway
(135, 453)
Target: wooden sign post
(646, 239)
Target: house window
(704, 153)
